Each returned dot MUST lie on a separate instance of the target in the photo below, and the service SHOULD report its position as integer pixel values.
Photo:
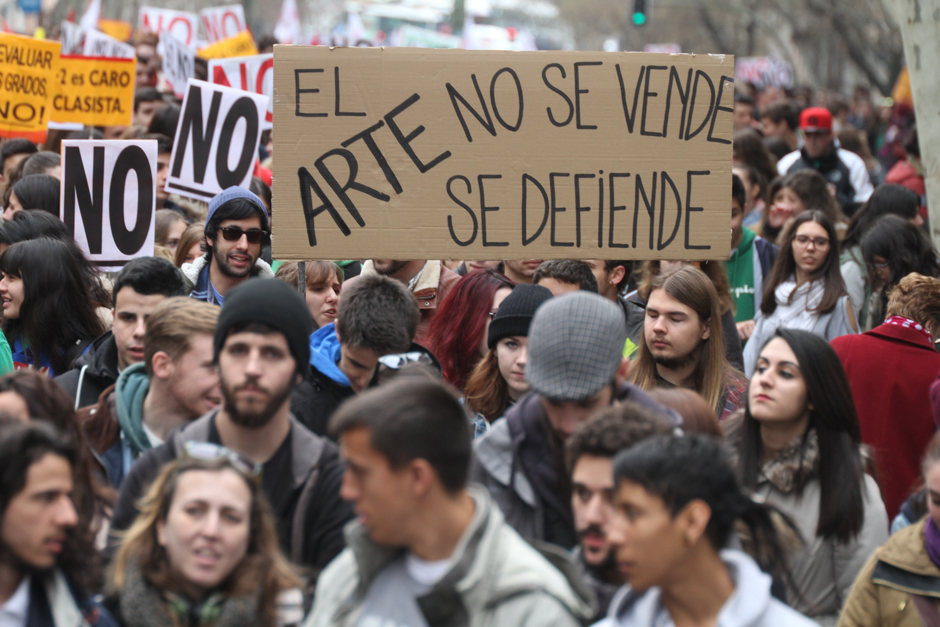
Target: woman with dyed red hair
(458, 331)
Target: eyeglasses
(399, 361)
(234, 233)
(208, 452)
(821, 243)
(880, 265)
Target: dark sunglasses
(209, 452)
(400, 360)
(234, 233)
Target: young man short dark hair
(146, 102)
(752, 258)
(782, 119)
(376, 316)
(590, 452)
(261, 349)
(561, 276)
(237, 227)
(49, 567)
(140, 286)
(427, 548)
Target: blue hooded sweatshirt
(325, 354)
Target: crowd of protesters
(419, 443)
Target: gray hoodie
(750, 605)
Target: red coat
(890, 370)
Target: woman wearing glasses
(805, 289)
(203, 552)
(893, 248)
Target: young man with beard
(49, 568)
(576, 370)
(175, 383)
(429, 280)
(261, 349)
(236, 229)
(681, 347)
(590, 452)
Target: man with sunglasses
(261, 350)
(845, 171)
(236, 229)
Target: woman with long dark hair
(208, 500)
(805, 289)
(49, 314)
(886, 200)
(893, 248)
(676, 504)
(798, 446)
(37, 191)
(458, 333)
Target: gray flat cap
(575, 346)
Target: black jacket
(315, 400)
(94, 372)
(310, 523)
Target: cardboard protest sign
(179, 63)
(97, 44)
(181, 24)
(241, 45)
(441, 154)
(96, 91)
(249, 74)
(216, 141)
(108, 198)
(220, 23)
(27, 83)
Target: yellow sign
(27, 83)
(120, 30)
(95, 91)
(241, 45)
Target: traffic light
(640, 12)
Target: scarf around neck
(142, 605)
(932, 541)
(795, 464)
(796, 305)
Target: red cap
(815, 120)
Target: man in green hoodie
(176, 383)
(752, 258)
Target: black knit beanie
(273, 303)
(515, 312)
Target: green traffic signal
(639, 19)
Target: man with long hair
(682, 344)
(49, 568)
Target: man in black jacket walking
(140, 286)
(262, 351)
